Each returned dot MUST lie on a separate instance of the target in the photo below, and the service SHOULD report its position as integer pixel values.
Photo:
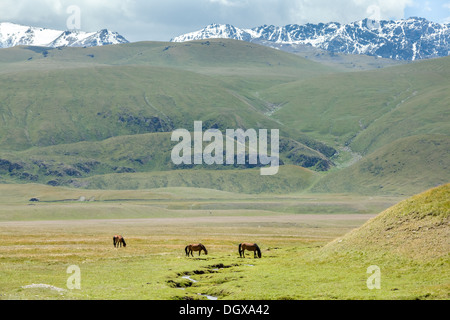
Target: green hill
(221, 56)
(81, 112)
(136, 88)
(405, 166)
(79, 116)
(289, 179)
(417, 228)
(140, 161)
(367, 110)
(92, 104)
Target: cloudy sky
(157, 20)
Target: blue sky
(140, 20)
(437, 10)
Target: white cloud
(345, 11)
(162, 20)
(446, 6)
(230, 3)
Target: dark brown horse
(118, 241)
(250, 247)
(195, 247)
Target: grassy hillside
(139, 153)
(417, 228)
(75, 114)
(367, 110)
(220, 56)
(81, 112)
(60, 107)
(405, 166)
(341, 61)
(408, 245)
(289, 179)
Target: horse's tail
(186, 249)
(114, 241)
(240, 249)
(258, 250)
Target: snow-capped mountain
(408, 39)
(14, 34)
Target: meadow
(43, 239)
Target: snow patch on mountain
(14, 35)
(406, 39)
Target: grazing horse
(118, 241)
(195, 247)
(250, 247)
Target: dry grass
(417, 228)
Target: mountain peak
(407, 39)
(12, 34)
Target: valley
(85, 153)
(115, 111)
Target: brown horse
(195, 247)
(250, 247)
(118, 241)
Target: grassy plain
(157, 224)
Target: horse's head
(258, 250)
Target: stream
(204, 295)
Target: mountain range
(407, 39)
(77, 112)
(402, 40)
(15, 34)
